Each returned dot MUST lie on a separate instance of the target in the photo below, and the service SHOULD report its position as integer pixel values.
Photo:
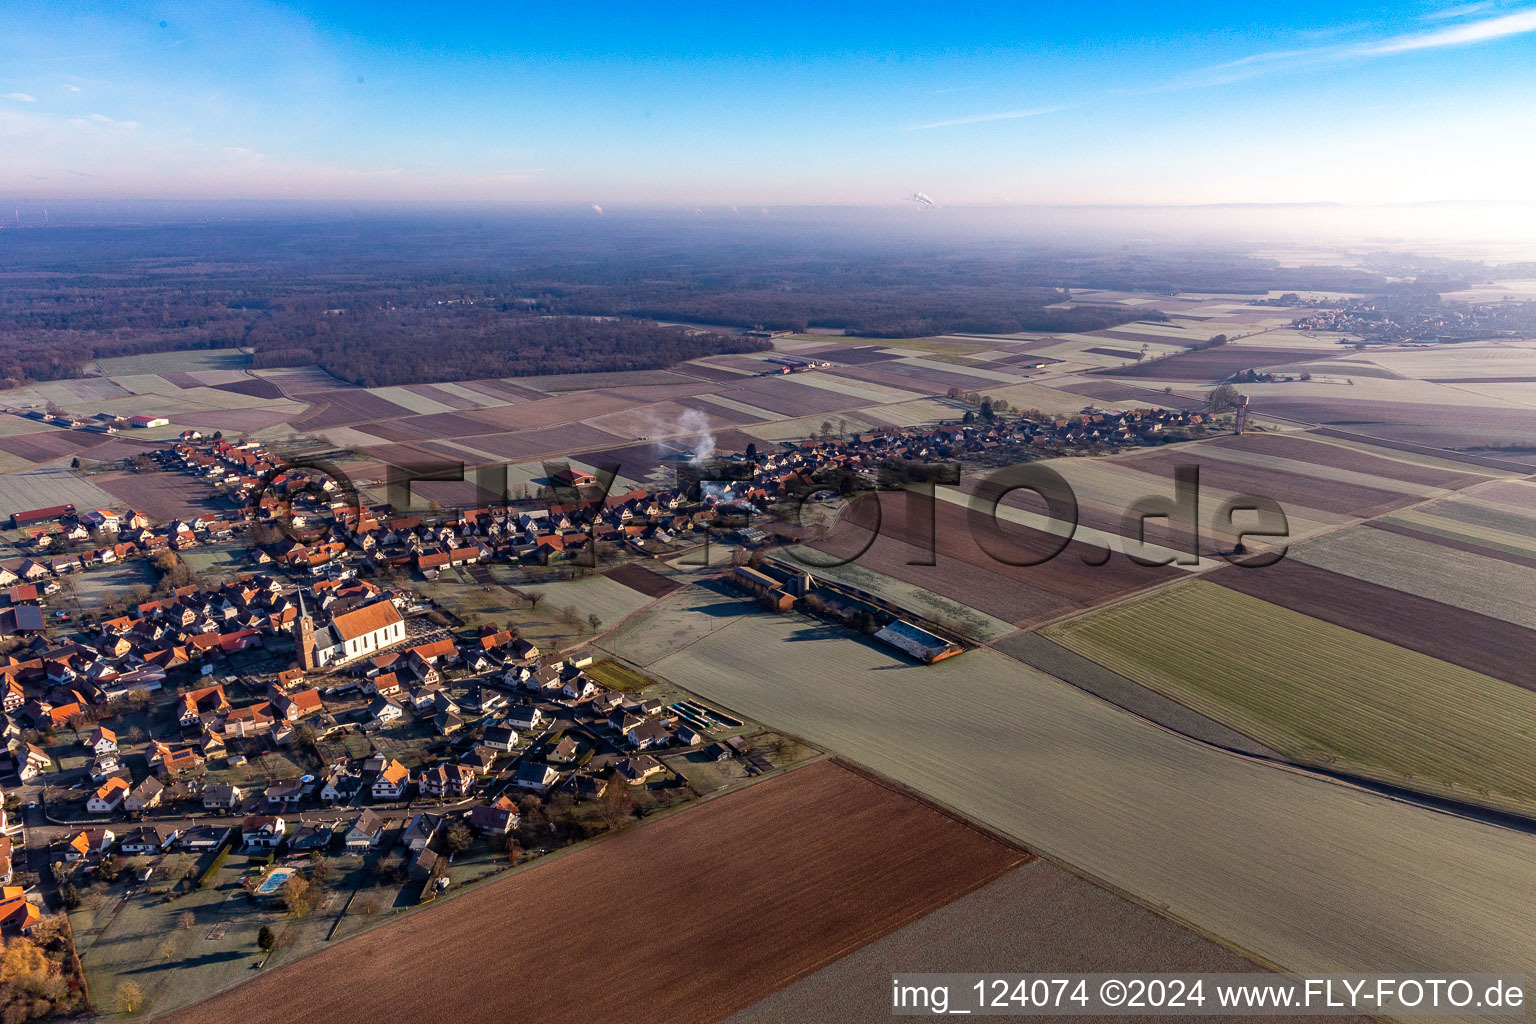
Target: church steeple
(304, 637)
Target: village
(314, 713)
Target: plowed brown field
(686, 919)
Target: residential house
(222, 796)
(108, 798)
(384, 712)
(421, 830)
(202, 838)
(500, 737)
(391, 782)
(498, 818)
(637, 769)
(148, 839)
(263, 831)
(446, 780)
(299, 704)
(144, 796)
(364, 833)
(524, 717)
(535, 776)
(341, 784)
(102, 741)
(284, 794)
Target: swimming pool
(274, 881)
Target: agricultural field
(1215, 364)
(609, 599)
(1481, 643)
(1494, 586)
(673, 623)
(646, 581)
(967, 573)
(485, 594)
(1038, 918)
(1294, 870)
(44, 486)
(1315, 456)
(163, 496)
(1321, 694)
(820, 861)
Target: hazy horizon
(604, 105)
(1492, 231)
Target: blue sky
(787, 103)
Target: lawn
(1322, 694)
(617, 676)
(545, 624)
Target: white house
(261, 831)
(384, 712)
(103, 741)
(392, 782)
(525, 717)
(108, 798)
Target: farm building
(148, 421)
(764, 587)
(919, 643)
(40, 515)
(23, 618)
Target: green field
(1322, 694)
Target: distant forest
(413, 300)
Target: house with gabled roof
(536, 776)
(499, 818)
(365, 833)
(108, 797)
(392, 781)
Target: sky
(788, 103)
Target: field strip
(1475, 582)
(868, 392)
(480, 399)
(1301, 872)
(742, 407)
(1318, 472)
(1086, 534)
(411, 400)
(982, 376)
(1038, 918)
(1514, 543)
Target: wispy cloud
(1519, 23)
(102, 121)
(1007, 115)
(1455, 11)
(20, 97)
(71, 88)
(1465, 34)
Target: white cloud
(1455, 11)
(20, 97)
(1465, 34)
(104, 121)
(1007, 115)
(71, 88)
(1515, 24)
